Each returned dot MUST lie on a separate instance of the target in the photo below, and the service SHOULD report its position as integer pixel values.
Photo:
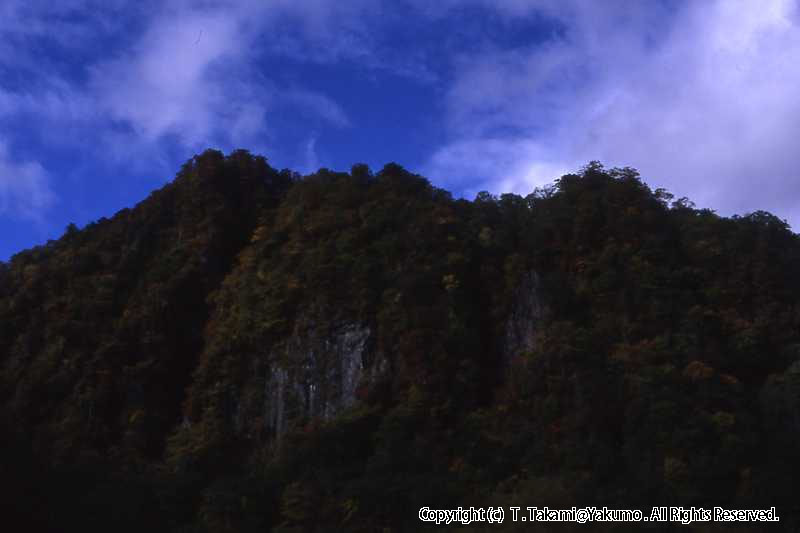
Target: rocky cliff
(524, 323)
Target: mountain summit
(249, 350)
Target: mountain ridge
(247, 349)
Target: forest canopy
(249, 349)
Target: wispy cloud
(317, 104)
(177, 80)
(24, 188)
(310, 159)
(497, 163)
(125, 81)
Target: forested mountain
(249, 350)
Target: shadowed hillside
(248, 350)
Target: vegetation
(140, 356)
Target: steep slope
(246, 350)
(102, 329)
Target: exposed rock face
(316, 373)
(780, 406)
(527, 312)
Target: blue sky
(102, 101)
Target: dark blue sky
(102, 101)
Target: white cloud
(496, 164)
(193, 73)
(175, 80)
(24, 188)
(317, 104)
(310, 157)
(701, 100)
(113, 81)
(184, 69)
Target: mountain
(251, 350)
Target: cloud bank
(699, 96)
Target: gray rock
(316, 373)
(524, 322)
